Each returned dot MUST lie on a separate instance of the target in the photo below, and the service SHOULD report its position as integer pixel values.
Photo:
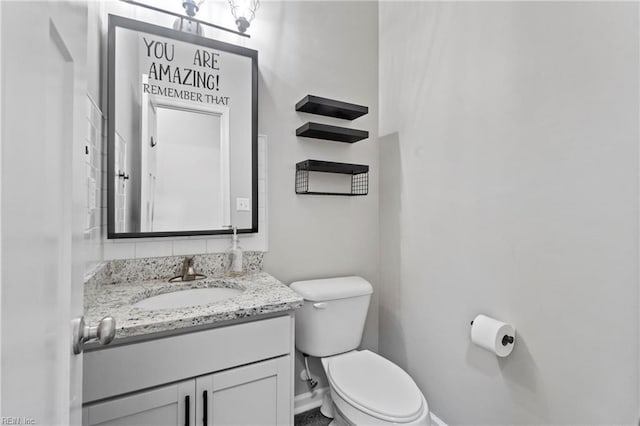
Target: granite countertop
(262, 295)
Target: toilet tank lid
(332, 288)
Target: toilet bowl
(365, 388)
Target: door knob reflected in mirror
(104, 332)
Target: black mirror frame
(119, 21)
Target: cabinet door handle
(186, 410)
(204, 408)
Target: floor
(311, 418)
(315, 418)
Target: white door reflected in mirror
(185, 167)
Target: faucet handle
(188, 271)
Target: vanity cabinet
(214, 399)
(240, 374)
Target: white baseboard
(308, 400)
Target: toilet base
(327, 408)
(340, 419)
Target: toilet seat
(376, 386)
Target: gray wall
(326, 49)
(509, 170)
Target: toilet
(365, 388)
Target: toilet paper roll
(493, 335)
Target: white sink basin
(186, 298)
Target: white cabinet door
(172, 405)
(255, 394)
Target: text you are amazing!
(206, 76)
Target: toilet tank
(331, 321)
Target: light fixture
(244, 11)
(191, 7)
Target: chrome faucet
(188, 272)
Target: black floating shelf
(331, 133)
(331, 108)
(332, 167)
(359, 176)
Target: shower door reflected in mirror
(182, 134)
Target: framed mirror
(182, 133)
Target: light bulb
(244, 11)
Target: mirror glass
(182, 156)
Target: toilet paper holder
(506, 339)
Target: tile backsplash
(157, 268)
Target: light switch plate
(243, 204)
